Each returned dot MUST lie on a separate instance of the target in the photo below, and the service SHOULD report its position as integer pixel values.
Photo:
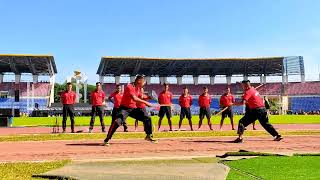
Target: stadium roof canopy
(271, 66)
(24, 63)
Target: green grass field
(25, 170)
(84, 121)
(275, 167)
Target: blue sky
(79, 32)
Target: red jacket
(185, 101)
(97, 98)
(68, 97)
(204, 101)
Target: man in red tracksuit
(165, 101)
(98, 103)
(68, 99)
(185, 102)
(204, 104)
(256, 110)
(128, 107)
(117, 96)
(226, 100)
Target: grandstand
(285, 92)
(26, 96)
(308, 88)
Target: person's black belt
(124, 107)
(258, 108)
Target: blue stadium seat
(22, 105)
(306, 104)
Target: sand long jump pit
(143, 168)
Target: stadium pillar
(195, 80)
(212, 78)
(52, 82)
(179, 80)
(101, 79)
(264, 79)
(228, 80)
(165, 79)
(117, 79)
(284, 105)
(303, 78)
(162, 80)
(35, 78)
(1, 78)
(148, 79)
(284, 79)
(132, 78)
(17, 78)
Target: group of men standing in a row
(165, 100)
(133, 100)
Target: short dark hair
(185, 87)
(98, 83)
(69, 83)
(139, 76)
(245, 81)
(204, 87)
(165, 84)
(118, 85)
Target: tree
(58, 88)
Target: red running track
(135, 148)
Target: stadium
(35, 98)
(31, 113)
(159, 90)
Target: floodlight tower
(80, 78)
